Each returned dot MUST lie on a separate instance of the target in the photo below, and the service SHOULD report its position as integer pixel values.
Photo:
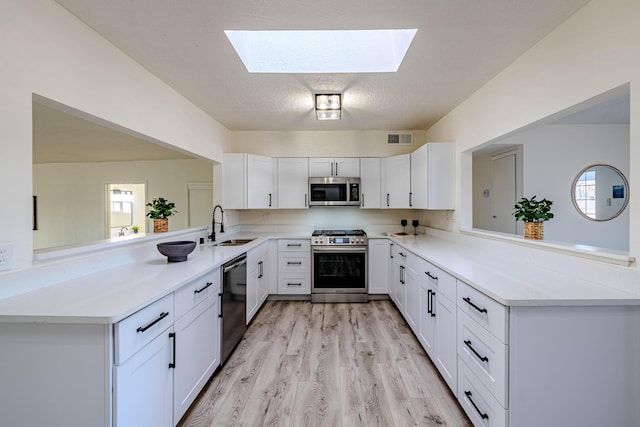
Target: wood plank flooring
(303, 364)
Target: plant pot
(534, 230)
(160, 225)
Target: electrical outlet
(6, 254)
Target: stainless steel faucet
(212, 237)
(122, 230)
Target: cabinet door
(263, 280)
(370, 183)
(143, 386)
(259, 182)
(426, 336)
(445, 347)
(378, 266)
(234, 180)
(433, 176)
(320, 167)
(252, 286)
(412, 299)
(197, 353)
(396, 181)
(292, 181)
(393, 276)
(347, 167)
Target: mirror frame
(573, 192)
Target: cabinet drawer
(437, 278)
(293, 262)
(487, 312)
(481, 407)
(485, 355)
(137, 330)
(285, 245)
(195, 292)
(294, 284)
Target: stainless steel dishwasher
(234, 306)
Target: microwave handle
(306, 200)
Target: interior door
(504, 193)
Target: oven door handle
(357, 249)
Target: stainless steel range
(339, 266)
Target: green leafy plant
(135, 228)
(532, 210)
(161, 208)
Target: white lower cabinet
(257, 279)
(143, 386)
(294, 267)
(378, 261)
(197, 355)
(161, 364)
(143, 372)
(480, 405)
(437, 330)
(412, 294)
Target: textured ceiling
(460, 45)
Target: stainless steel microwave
(334, 191)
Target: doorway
(125, 209)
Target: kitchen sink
(235, 242)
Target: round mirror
(600, 192)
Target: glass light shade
(328, 106)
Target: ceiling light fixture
(328, 106)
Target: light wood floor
(303, 364)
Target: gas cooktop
(339, 233)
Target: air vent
(400, 138)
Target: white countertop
(111, 295)
(510, 282)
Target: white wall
(553, 156)
(594, 51)
(45, 50)
(72, 210)
(320, 144)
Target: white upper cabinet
(370, 183)
(348, 167)
(433, 176)
(248, 181)
(396, 181)
(292, 183)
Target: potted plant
(533, 213)
(135, 229)
(161, 210)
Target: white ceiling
(459, 46)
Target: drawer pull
(153, 322)
(197, 291)
(428, 273)
(483, 415)
(294, 262)
(468, 301)
(294, 245)
(483, 358)
(172, 335)
(294, 284)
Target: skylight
(322, 51)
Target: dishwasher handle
(234, 264)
